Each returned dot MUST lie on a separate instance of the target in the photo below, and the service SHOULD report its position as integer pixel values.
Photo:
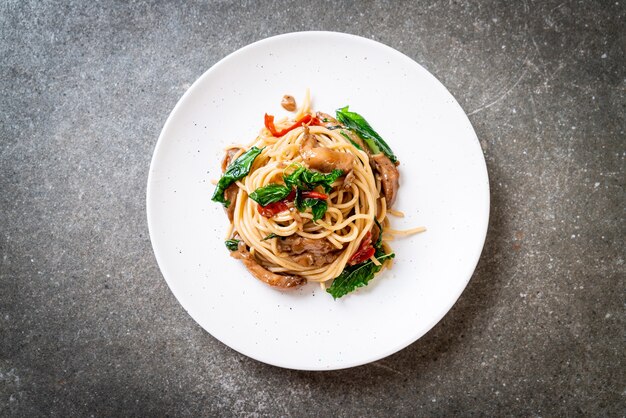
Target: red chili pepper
(272, 209)
(314, 195)
(277, 207)
(362, 256)
(306, 119)
(364, 252)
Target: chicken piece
(261, 273)
(230, 194)
(321, 158)
(295, 244)
(327, 120)
(389, 176)
(308, 141)
(307, 259)
(288, 103)
(327, 160)
(230, 153)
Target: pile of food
(308, 200)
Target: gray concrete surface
(88, 326)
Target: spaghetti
(308, 201)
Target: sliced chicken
(308, 141)
(288, 103)
(307, 259)
(327, 120)
(230, 153)
(321, 158)
(389, 176)
(261, 273)
(295, 244)
(326, 159)
(230, 194)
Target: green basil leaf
(311, 179)
(358, 124)
(302, 203)
(293, 179)
(318, 206)
(353, 277)
(270, 194)
(232, 244)
(319, 209)
(237, 170)
(306, 179)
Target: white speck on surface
(603, 56)
(523, 295)
(608, 315)
(573, 236)
(596, 184)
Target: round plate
(444, 187)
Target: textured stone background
(88, 325)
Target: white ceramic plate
(444, 187)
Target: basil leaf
(306, 179)
(237, 170)
(232, 244)
(311, 179)
(319, 209)
(318, 206)
(270, 194)
(293, 179)
(358, 124)
(300, 203)
(270, 236)
(353, 277)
